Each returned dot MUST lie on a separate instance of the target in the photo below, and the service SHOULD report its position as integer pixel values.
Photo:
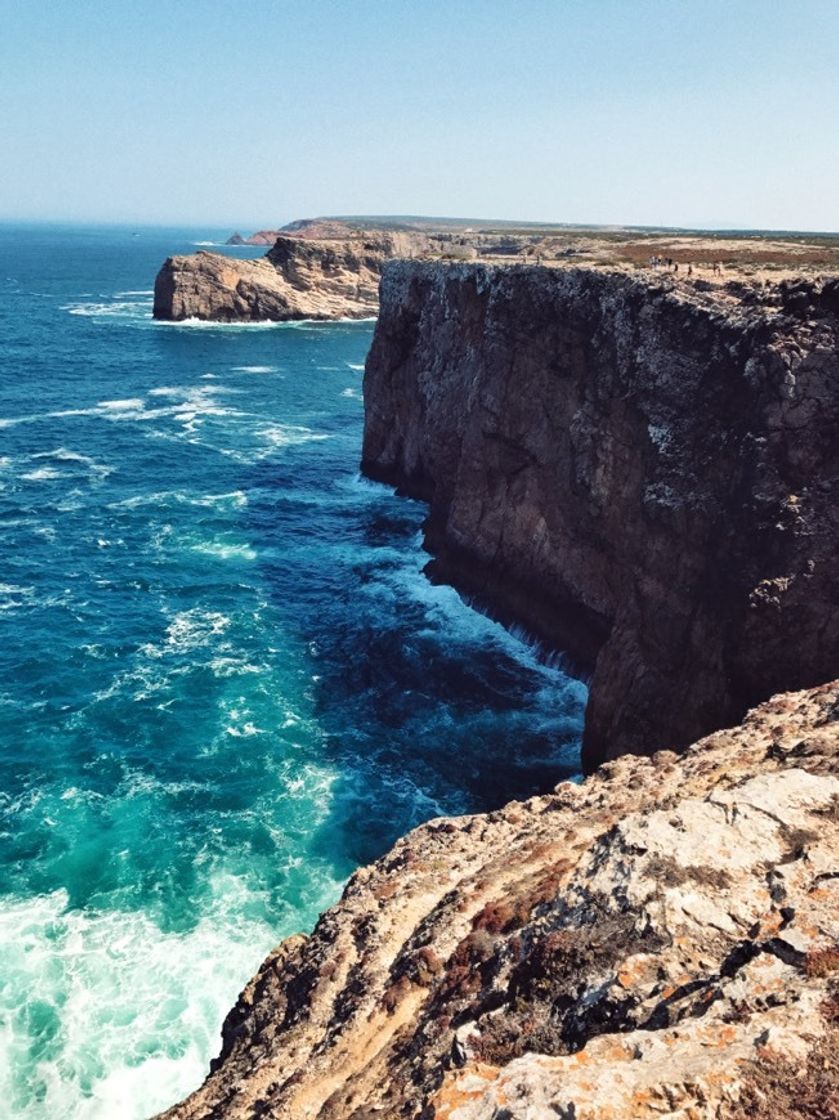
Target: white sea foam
(446, 612)
(212, 325)
(255, 369)
(196, 401)
(13, 596)
(273, 438)
(288, 435)
(193, 628)
(235, 499)
(123, 405)
(281, 434)
(126, 1014)
(233, 667)
(262, 324)
(128, 309)
(356, 366)
(42, 474)
(245, 731)
(353, 393)
(224, 550)
(187, 392)
(65, 455)
(185, 632)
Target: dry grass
(781, 1090)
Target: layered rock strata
(659, 941)
(644, 473)
(296, 279)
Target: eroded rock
(661, 940)
(298, 278)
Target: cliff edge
(645, 473)
(660, 941)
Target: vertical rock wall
(644, 475)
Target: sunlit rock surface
(659, 941)
(297, 279)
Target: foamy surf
(261, 324)
(130, 309)
(112, 1015)
(42, 474)
(225, 550)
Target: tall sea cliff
(643, 474)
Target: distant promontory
(329, 268)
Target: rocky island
(645, 473)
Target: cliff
(659, 941)
(297, 279)
(644, 473)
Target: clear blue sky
(678, 112)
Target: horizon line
(236, 227)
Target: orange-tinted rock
(683, 960)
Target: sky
(702, 113)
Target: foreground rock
(644, 473)
(660, 941)
(297, 279)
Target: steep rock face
(660, 941)
(645, 474)
(296, 279)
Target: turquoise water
(224, 681)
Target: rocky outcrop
(296, 279)
(659, 941)
(644, 473)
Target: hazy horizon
(702, 115)
(246, 228)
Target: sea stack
(299, 278)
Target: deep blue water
(224, 681)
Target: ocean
(224, 681)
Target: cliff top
(768, 290)
(751, 254)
